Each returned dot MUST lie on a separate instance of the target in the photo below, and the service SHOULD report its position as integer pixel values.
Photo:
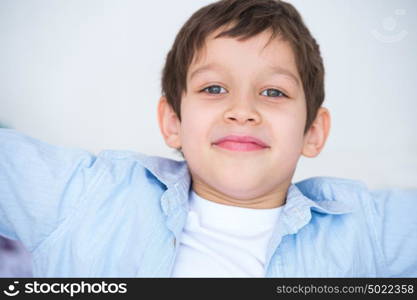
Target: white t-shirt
(223, 240)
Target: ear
(316, 136)
(169, 123)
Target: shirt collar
(303, 198)
(175, 176)
(298, 207)
(315, 193)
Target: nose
(242, 112)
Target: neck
(269, 199)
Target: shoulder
(351, 192)
(330, 185)
(332, 188)
(348, 226)
(356, 199)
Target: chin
(239, 186)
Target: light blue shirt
(121, 214)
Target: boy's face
(237, 88)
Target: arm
(41, 185)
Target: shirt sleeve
(396, 230)
(41, 186)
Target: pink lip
(240, 143)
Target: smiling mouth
(240, 146)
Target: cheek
(195, 125)
(287, 129)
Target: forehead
(258, 52)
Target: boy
(242, 89)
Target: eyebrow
(274, 70)
(282, 71)
(204, 68)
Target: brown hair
(249, 17)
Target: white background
(86, 74)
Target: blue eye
(273, 93)
(214, 89)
